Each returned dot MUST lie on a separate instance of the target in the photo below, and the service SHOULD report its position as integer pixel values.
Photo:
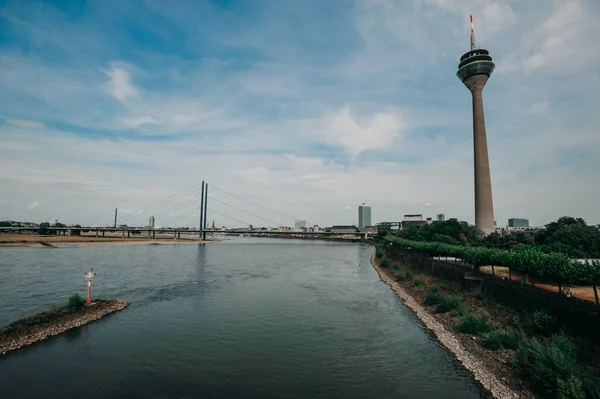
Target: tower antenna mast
(473, 45)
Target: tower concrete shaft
(484, 206)
(474, 70)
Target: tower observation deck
(474, 70)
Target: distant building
(429, 221)
(300, 224)
(364, 216)
(388, 227)
(413, 220)
(151, 222)
(440, 217)
(316, 228)
(343, 229)
(518, 222)
(53, 222)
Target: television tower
(474, 70)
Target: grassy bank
(529, 350)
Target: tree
(450, 230)
(572, 237)
(44, 229)
(551, 228)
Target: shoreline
(27, 331)
(58, 243)
(476, 368)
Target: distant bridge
(184, 205)
(177, 232)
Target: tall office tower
(474, 70)
(300, 224)
(364, 216)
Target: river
(243, 318)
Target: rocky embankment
(487, 378)
(49, 323)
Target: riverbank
(54, 241)
(46, 324)
(481, 371)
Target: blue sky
(309, 108)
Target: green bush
(591, 388)
(550, 366)
(399, 276)
(385, 262)
(417, 282)
(379, 253)
(448, 303)
(505, 338)
(409, 276)
(570, 389)
(543, 322)
(473, 324)
(433, 296)
(76, 301)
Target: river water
(245, 318)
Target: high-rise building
(151, 221)
(518, 222)
(364, 216)
(474, 70)
(440, 217)
(300, 224)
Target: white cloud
(539, 108)
(34, 205)
(119, 85)
(26, 123)
(378, 132)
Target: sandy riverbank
(58, 241)
(477, 368)
(43, 325)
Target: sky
(300, 109)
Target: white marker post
(89, 276)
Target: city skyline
(293, 111)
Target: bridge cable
(253, 203)
(164, 201)
(241, 210)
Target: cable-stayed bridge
(186, 214)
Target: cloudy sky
(304, 108)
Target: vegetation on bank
(76, 301)
(540, 354)
(557, 267)
(567, 235)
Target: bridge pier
(96, 233)
(123, 234)
(128, 234)
(103, 233)
(154, 235)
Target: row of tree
(567, 235)
(529, 260)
